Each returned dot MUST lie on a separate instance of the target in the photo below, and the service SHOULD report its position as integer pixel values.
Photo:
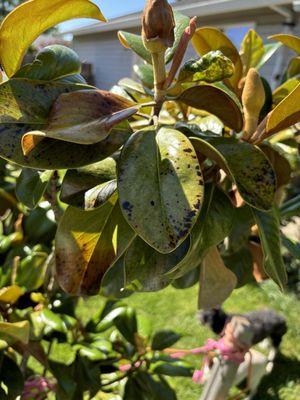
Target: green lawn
(177, 310)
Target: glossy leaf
(87, 244)
(269, 233)
(25, 105)
(252, 50)
(143, 386)
(31, 186)
(208, 39)
(160, 186)
(10, 294)
(145, 74)
(145, 268)
(217, 101)
(31, 271)
(26, 22)
(291, 41)
(113, 282)
(285, 114)
(17, 331)
(216, 281)
(270, 50)
(52, 62)
(78, 182)
(176, 368)
(246, 165)
(212, 67)
(212, 227)
(99, 112)
(282, 91)
(163, 339)
(126, 323)
(52, 321)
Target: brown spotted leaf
(82, 117)
(246, 165)
(88, 243)
(160, 186)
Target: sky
(110, 9)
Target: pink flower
(197, 376)
(37, 388)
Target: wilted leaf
(252, 50)
(99, 112)
(291, 41)
(212, 67)
(216, 281)
(269, 233)
(24, 106)
(52, 62)
(208, 39)
(26, 22)
(160, 186)
(31, 186)
(216, 101)
(17, 331)
(247, 166)
(213, 225)
(87, 244)
(10, 294)
(145, 268)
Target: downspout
(288, 25)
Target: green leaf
(27, 106)
(160, 187)
(31, 186)
(285, 89)
(26, 22)
(78, 182)
(246, 165)
(143, 386)
(212, 67)
(135, 43)
(188, 280)
(163, 339)
(91, 353)
(145, 268)
(17, 331)
(11, 376)
(52, 62)
(269, 233)
(216, 281)
(181, 23)
(109, 318)
(213, 225)
(176, 368)
(292, 246)
(290, 208)
(31, 271)
(52, 321)
(252, 50)
(99, 112)
(88, 243)
(113, 282)
(145, 74)
(126, 323)
(241, 264)
(270, 50)
(279, 163)
(215, 100)
(241, 229)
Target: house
(98, 44)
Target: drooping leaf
(208, 39)
(212, 67)
(52, 62)
(269, 233)
(282, 91)
(279, 163)
(213, 225)
(216, 281)
(241, 229)
(87, 244)
(216, 101)
(99, 112)
(31, 186)
(246, 165)
(17, 331)
(26, 22)
(188, 280)
(291, 41)
(78, 182)
(24, 106)
(160, 186)
(145, 268)
(285, 114)
(241, 264)
(252, 50)
(163, 339)
(113, 282)
(10, 294)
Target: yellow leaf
(10, 294)
(286, 114)
(208, 39)
(291, 41)
(18, 331)
(26, 22)
(252, 50)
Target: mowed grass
(177, 310)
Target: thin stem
(159, 68)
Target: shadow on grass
(285, 375)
